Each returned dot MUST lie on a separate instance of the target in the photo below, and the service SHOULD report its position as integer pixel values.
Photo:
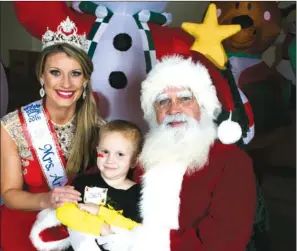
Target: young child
(109, 197)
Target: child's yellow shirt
(71, 216)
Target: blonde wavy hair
(83, 150)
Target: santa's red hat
(209, 87)
(47, 233)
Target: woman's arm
(12, 179)
(12, 182)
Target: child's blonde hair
(128, 130)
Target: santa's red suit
(210, 209)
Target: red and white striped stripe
(249, 112)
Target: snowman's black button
(118, 80)
(122, 42)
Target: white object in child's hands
(120, 240)
(83, 242)
(96, 195)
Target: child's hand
(89, 207)
(105, 230)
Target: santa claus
(194, 198)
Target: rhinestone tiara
(66, 33)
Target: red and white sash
(43, 143)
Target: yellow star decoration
(209, 36)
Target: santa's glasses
(164, 102)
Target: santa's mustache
(175, 118)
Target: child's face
(114, 158)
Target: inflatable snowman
(125, 39)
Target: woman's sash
(43, 143)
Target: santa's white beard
(187, 145)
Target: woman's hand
(59, 195)
(89, 207)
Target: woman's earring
(41, 91)
(84, 92)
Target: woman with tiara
(46, 143)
